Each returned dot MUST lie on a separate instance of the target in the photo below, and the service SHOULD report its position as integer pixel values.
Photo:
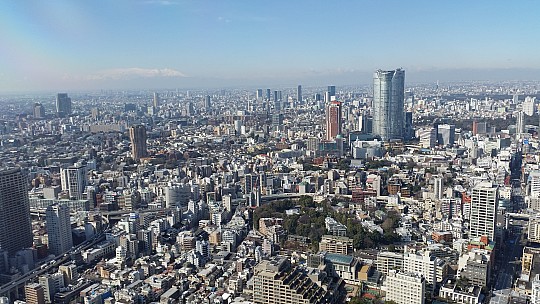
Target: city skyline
(170, 44)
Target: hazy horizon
(152, 44)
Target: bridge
(13, 289)
(118, 213)
(106, 214)
(519, 216)
(275, 197)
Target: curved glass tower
(388, 103)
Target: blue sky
(76, 44)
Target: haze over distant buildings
(183, 44)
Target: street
(504, 279)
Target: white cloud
(161, 2)
(130, 73)
(223, 19)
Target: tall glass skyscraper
(63, 105)
(388, 102)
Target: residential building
(15, 227)
(483, 214)
(278, 282)
(34, 294)
(333, 120)
(336, 244)
(137, 135)
(404, 287)
(59, 229)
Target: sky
(71, 45)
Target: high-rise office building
(328, 97)
(15, 225)
(299, 94)
(137, 135)
(268, 91)
(529, 106)
(428, 137)
(520, 122)
(479, 127)
(59, 229)
(333, 120)
(156, 100)
(332, 90)
(277, 101)
(259, 94)
(39, 110)
(63, 105)
(446, 134)
(388, 100)
(277, 121)
(438, 187)
(207, 102)
(483, 214)
(73, 180)
(409, 127)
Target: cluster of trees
(274, 209)
(376, 164)
(359, 300)
(310, 222)
(344, 164)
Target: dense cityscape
(269, 152)
(384, 193)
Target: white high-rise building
(202, 248)
(534, 229)
(529, 106)
(534, 184)
(428, 137)
(446, 134)
(156, 100)
(405, 288)
(520, 122)
(74, 180)
(59, 229)
(51, 285)
(388, 103)
(438, 187)
(177, 195)
(483, 212)
(422, 263)
(535, 289)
